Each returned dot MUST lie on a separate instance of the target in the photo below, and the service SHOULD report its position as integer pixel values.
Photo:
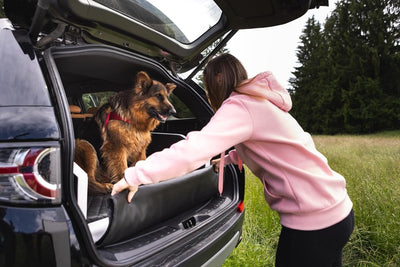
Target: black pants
(319, 248)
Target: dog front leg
(135, 156)
(115, 160)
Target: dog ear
(143, 82)
(170, 87)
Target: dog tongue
(163, 118)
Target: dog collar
(114, 116)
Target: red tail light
(30, 175)
(240, 207)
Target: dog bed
(156, 203)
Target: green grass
(371, 166)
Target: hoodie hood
(266, 86)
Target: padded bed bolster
(156, 203)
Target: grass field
(371, 166)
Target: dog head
(154, 96)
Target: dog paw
(109, 187)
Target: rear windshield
(21, 80)
(183, 20)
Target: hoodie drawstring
(221, 173)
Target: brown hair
(221, 76)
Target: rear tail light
(240, 207)
(30, 175)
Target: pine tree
(354, 87)
(309, 91)
(361, 40)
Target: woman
(252, 115)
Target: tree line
(348, 77)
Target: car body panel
(28, 123)
(257, 14)
(35, 235)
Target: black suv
(60, 59)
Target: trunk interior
(163, 213)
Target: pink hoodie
(298, 182)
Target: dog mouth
(161, 116)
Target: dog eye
(160, 96)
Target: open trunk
(180, 212)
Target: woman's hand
(122, 185)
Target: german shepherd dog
(125, 124)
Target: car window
(21, 80)
(182, 110)
(94, 100)
(183, 20)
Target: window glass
(183, 20)
(182, 110)
(94, 100)
(21, 79)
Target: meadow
(371, 166)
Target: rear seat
(76, 113)
(78, 118)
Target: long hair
(221, 76)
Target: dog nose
(172, 111)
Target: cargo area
(161, 213)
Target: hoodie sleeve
(231, 125)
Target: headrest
(74, 109)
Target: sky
(274, 49)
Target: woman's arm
(231, 124)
